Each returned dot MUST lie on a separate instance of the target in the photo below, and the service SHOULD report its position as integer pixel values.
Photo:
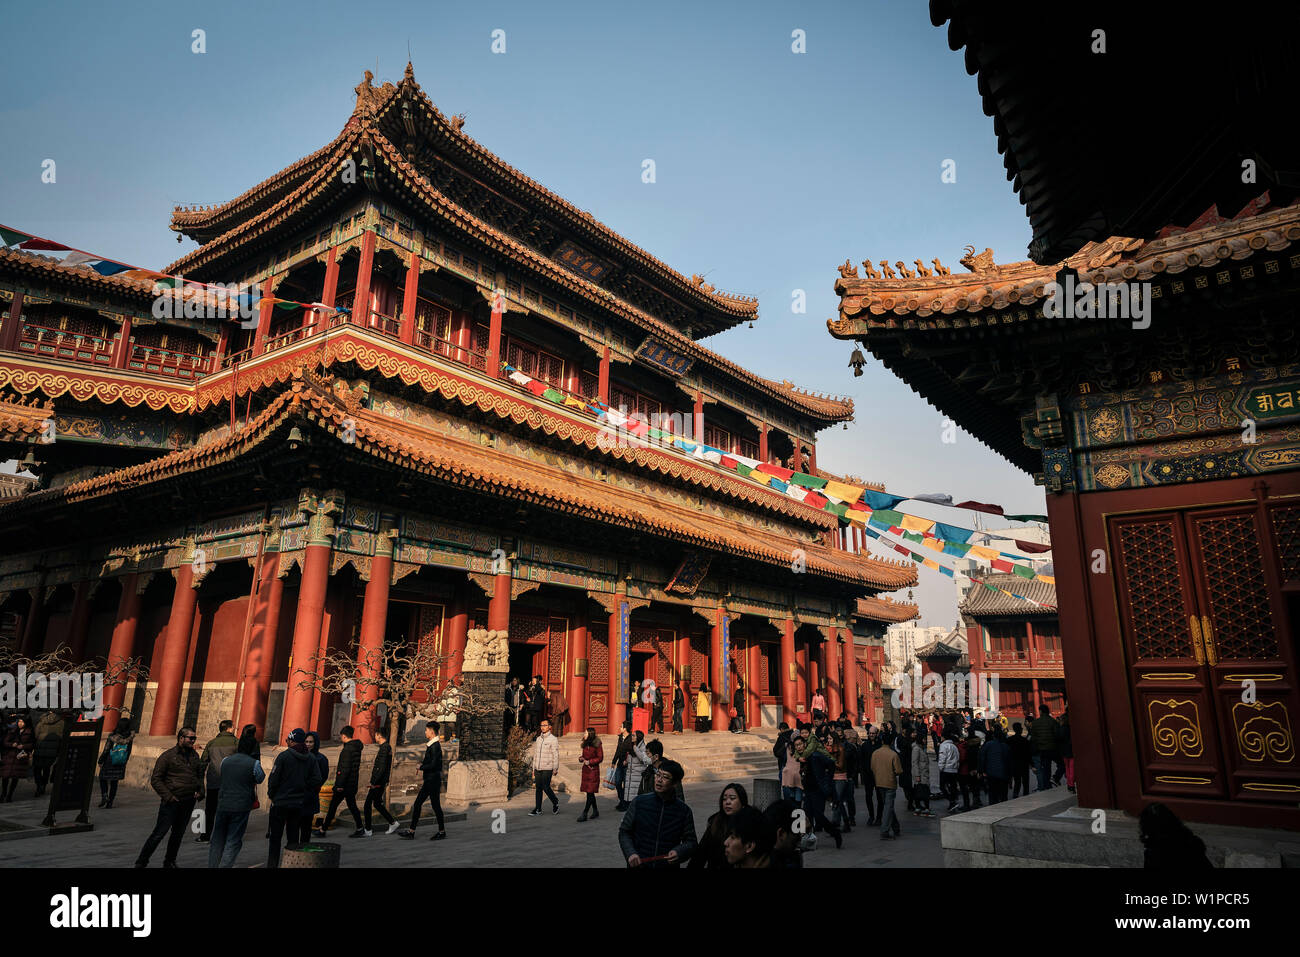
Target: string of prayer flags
(980, 507)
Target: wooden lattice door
(1212, 680)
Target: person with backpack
(214, 752)
(241, 773)
(347, 777)
(377, 793)
(112, 762)
(819, 787)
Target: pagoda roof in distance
(982, 603)
(882, 608)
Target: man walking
(1042, 734)
(294, 774)
(431, 788)
(376, 795)
(214, 752)
(658, 830)
(546, 761)
(347, 777)
(885, 768)
(178, 780)
(679, 707)
(657, 711)
(949, 766)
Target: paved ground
(547, 841)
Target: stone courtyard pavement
(548, 841)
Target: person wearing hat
(293, 776)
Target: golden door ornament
(1198, 649)
(1264, 731)
(1175, 728)
(1207, 636)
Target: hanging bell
(295, 438)
(857, 360)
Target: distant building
(1018, 641)
(902, 640)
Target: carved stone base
(478, 782)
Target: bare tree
(120, 671)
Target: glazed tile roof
(881, 608)
(15, 486)
(938, 649)
(22, 263)
(980, 602)
(23, 421)
(451, 461)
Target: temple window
(535, 362)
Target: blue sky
(772, 167)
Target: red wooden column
(812, 459)
(788, 682)
(602, 386)
(255, 697)
(499, 605)
(330, 289)
(406, 329)
(494, 334)
(816, 674)
(617, 706)
(361, 300)
(849, 655)
(374, 621)
(176, 651)
(717, 668)
(123, 642)
(682, 653)
(579, 659)
(762, 444)
(697, 421)
(79, 623)
(1030, 650)
(264, 310)
(310, 617)
(9, 334)
(34, 626)
(797, 465)
(122, 351)
(753, 665)
(223, 346)
(457, 631)
(833, 702)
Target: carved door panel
(426, 627)
(1251, 662)
(1170, 680)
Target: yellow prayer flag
(761, 477)
(914, 524)
(857, 516)
(930, 563)
(980, 551)
(848, 494)
(933, 543)
(1051, 580)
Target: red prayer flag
(895, 530)
(729, 462)
(35, 243)
(901, 550)
(1001, 565)
(536, 387)
(981, 507)
(816, 500)
(1031, 547)
(782, 474)
(860, 506)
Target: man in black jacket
(536, 704)
(679, 706)
(781, 749)
(865, 751)
(214, 752)
(431, 789)
(178, 779)
(347, 777)
(1020, 760)
(658, 830)
(380, 772)
(294, 774)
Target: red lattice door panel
(597, 672)
(426, 625)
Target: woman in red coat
(592, 755)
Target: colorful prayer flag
(848, 494)
(916, 523)
(980, 507)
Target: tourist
(967, 769)
(347, 778)
(241, 772)
(655, 752)
(920, 773)
(781, 747)
(785, 819)
(703, 709)
(311, 800)
(1169, 844)
(112, 762)
(625, 742)
(819, 787)
(178, 781)
(294, 775)
(1065, 750)
(658, 830)
(903, 745)
(536, 704)
(638, 759)
(1020, 749)
(546, 761)
(49, 729)
(656, 711)
(865, 753)
(514, 700)
(431, 784)
(840, 784)
(738, 703)
(593, 753)
(792, 772)
(679, 707)
(995, 765)
(818, 704)
(19, 748)
(1042, 735)
(377, 793)
(711, 851)
(214, 752)
(749, 839)
(949, 768)
(885, 768)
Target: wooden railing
(61, 344)
(169, 362)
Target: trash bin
(315, 854)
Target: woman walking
(592, 755)
(710, 852)
(702, 712)
(311, 803)
(791, 773)
(112, 763)
(16, 759)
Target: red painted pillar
(308, 621)
(816, 674)
(494, 335)
(697, 420)
(79, 623)
(11, 332)
(802, 694)
(361, 301)
(602, 386)
(122, 352)
(457, 632)
(617, 705)
(754, 667)
(578, 682)
(833, 703)
(331, 287)
(1030, 650)
(798, 453)
(499, 605)
(256, 695)
(410, 293)
(265, 308)
(374, 621)
(717, 668)
(223, 346)
(34, 626)
(788, 683)
(849, 655)
(762, 444)
(123, 642)
(812, 459)
(682, 655)
(176, 651)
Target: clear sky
(772, 167)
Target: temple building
(1158, 405)
(1017, 641)
(400, 442)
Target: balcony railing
(61, 344)
(169, 362)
